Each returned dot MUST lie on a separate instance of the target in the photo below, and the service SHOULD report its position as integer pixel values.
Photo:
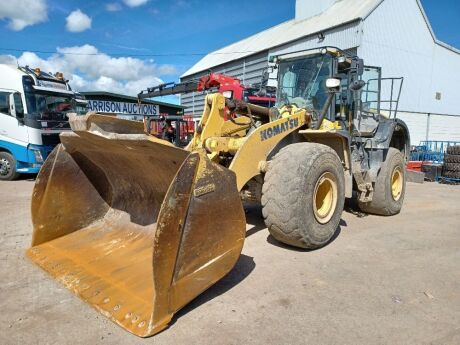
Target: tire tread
(280, 192)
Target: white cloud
(113, 7)
(8, 59)
(97, 71)
(77, 21)
(22, 13)
(135, 3)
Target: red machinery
(179, 129)
(176, 129)
(230, 87)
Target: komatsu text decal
(279, 128)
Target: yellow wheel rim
(396, 184)
(325, 197)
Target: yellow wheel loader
(138, 228)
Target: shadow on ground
(254, 217)
(27, 177)
(273, 241)
(242, 269)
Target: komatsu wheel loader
(138, 228)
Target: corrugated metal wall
(417, 124)
(249, 70)
(397, 38)
(345, 37)
(440, 125)
(425, 126)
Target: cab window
(4, 102)
(370, 95)
(18, 105)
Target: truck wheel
(303, 195)
(390, 187)
(7, 167)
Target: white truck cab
(33, 112)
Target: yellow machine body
(138, 228)
(133, 225)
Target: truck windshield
(49, 106)
(302, 82)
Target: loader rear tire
(303, 195)
(390, 187)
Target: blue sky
(124, 28)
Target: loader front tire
(390, 186)
(303, 195)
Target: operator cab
(302, 78)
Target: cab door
(368, 117)
(13, 134)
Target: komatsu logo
(278, 129)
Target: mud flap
(134, 227)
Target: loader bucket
(133, 226)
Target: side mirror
(333, 84)
(357, 85)
(12, 105)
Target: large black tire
(384, 203)
(451, 174)
(300, 179)
(7, 167)
(452, 166)
(453, 150)
(452, 158)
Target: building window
(438, 96)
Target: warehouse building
(393, 34)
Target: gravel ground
(382, 280)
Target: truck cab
(33, 112)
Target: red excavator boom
(229, 86)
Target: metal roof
(341, 12)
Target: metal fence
(432, 151)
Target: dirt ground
(392, 280)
